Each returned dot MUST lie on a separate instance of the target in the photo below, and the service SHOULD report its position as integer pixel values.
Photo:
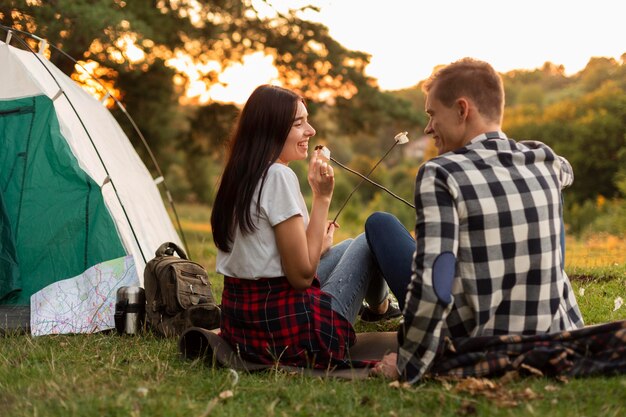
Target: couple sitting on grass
(487, 258)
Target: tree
(150, 94)
(597, 71)
(221, 31)
(209, 131)
(590, 131)
(133, 43)
(534, 86)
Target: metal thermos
(130, 310)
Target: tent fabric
(9, 269)
(60, 223)
(74, 193)
(100, 146)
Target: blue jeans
(393, 248)
(349, 273)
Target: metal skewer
(400, 138)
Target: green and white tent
(80, 213)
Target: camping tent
(79, 212)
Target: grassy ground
(110, 375)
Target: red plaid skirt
(268, 321)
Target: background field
(110, 375)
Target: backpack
(178, 293)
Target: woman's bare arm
(300, 249)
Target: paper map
(83, 304)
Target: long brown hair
(257, 141)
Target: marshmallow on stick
(401, 138)
(325, 153)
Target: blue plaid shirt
(488, 258)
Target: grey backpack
(178, 293)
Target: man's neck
(479, 128)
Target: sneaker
(370, 317)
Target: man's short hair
(471, 78)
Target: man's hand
(387, 367)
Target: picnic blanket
(368, 348)
(592, 350)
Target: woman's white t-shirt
(255, 255)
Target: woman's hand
(387, 367)
(321, 176)
(327, 243)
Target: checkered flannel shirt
(491, 213)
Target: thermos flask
(130, 310)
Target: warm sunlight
(408, 38)
(239, 80)
(127, 50)
(89, 75)
(409, 41)
(236, 81)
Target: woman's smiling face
(297, 144)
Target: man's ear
(462, 108)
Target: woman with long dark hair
(281, 302)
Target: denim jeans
(349, 273)
(393, 248)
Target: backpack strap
(168, 249)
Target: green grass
(110, 375)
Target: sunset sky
(408, 38)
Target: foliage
(212, 35)
(151, 94)
(583, 118)
(204, 146)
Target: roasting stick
(400, 138)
